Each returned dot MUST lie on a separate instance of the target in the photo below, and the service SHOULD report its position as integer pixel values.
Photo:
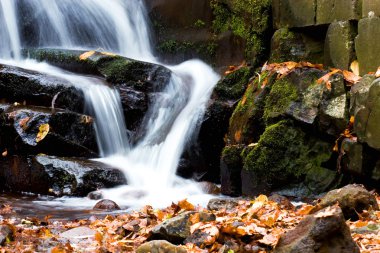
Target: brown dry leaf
(237, 136)
(58, 250)
(86, 55)
(185, 205)
(327, 212)
(360, 224)
(43, 131)
(305, 210)
(351, 77)
(377, 74)
(194, 218)
(23, 122)
(232, 69)
(355, 67)
(270, 240)
(5, 153)
(326, 78)
(99, 238)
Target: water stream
(118, 26)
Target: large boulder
(56, 176)
(137, 82)
(325, 231)
(370, 6)
(329, 11)
(352, 199)
(33, 130)
(293, 13)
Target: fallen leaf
(43, 131)
(5, 153)
(326, 78)
(351, 77)
(305, 210)
(185, 205)
(86, 55)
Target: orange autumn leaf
(351, 77)
(99, 237)
(194, 218)
(326, 78)
(305, 210)
(232, 69)
(23, 122)
(377, 74)
(354, 67)
(87, 55)
(185, 205)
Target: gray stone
(293, 13)
(329, 11)
(354, 156)
(177, 229)
(359, 93)
(325, 231)
(6, 234)
(352, 199)
(370, 6)
(160, 246)
(106, 205)
(340, 45)
(218, 204)
(367, 119)
(80, 236)
(367, 45)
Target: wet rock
(95, 195)
(81, 236)
(136, 81)
(352, 199)
(340, 44)
(106, 205)
(160, 246)
(210, 188)
(353, 159)
(68, 134)
(56, 176)
(6, 234)
(177, 229)
(359, 94)
(219, 204)
(325, 231)
(230, 170)
(21, 85)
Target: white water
(120, 26)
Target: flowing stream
(118, 26)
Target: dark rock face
(352, 199)
(68, 133)
(19, 85)
(56, 176)
(325, 231)
(177, 229)
(136, 81)
(106, 205)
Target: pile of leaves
(252, 226)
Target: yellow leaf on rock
(184, 204)
(86, 55)
(43, 131)
(355, 67)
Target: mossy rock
(234, 84)
(284, 155)
(231, 165)
(246, 124)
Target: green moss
(248, 19)
(231, 156)
(285, 153)
(282, 94)
(207, 50)
(234, 85)
(199, 24)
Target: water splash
(120, 26)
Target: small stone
(219, 204)
(282, 201)
(106, 205)
(95, 195)
(352, 199)
(325, 231)
(6, 234)
(160, 246)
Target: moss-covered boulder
(293, 13)
(231, 164)
(284, 155)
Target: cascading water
(120, 26)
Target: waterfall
(119, 26)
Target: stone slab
(370, 6)
(329, 11)
(293, 13)
(367, 45)
(340, 44)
